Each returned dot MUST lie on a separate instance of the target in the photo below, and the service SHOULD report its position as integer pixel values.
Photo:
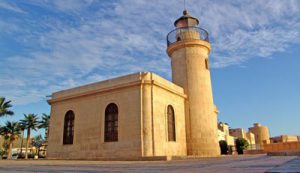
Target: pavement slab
(292, 165)
(232, 164)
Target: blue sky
(50, 45)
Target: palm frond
(4, 107)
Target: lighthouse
(188, 48)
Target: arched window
(171, 124)
(111, 123)
(69, 128)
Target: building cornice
(115, 88)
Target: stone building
(241, 133)
(261, 133)
(223, 134)
(142, 115)
(251, 138)
(238, 133)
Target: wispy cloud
(251, 29)
(10, 6)
(78, 42)
(72, 4)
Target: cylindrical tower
(261, 134)
(188, 48)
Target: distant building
(238, 133)
(283, 138)
(250, 137)
(223, 134)
(224, 131)
(241, 133)
(283, 145)
(261, 133)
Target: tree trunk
(27, 143)
(9, 153)
(46, 134)
(22, 143)
(46, 142)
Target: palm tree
(11, 131)
(4, 107)
(30, 122)
(44, 124)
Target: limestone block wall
(89, 126)
(161, 99)
(157, 94)
(142, 100)
(190, 71)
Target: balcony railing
(187, 33)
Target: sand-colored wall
(230, 140)
(157, 96)
(161, 99)
(286, 146)
(89, 126)
(189, 71)
(251, 138)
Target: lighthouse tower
(188, 48)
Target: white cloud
(87, 41)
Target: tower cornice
(187, 43)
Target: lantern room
(186, 21)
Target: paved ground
(257, 163)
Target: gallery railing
(187, 33)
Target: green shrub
(241, 144)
